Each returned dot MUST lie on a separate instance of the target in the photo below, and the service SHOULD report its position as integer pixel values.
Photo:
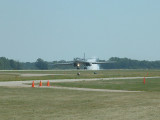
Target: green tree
(15, 65)
(41, 64)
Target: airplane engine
(75, 65)
(88, 64)
(85, 67)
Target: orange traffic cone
(33, 84)
(48, 83)
(40, 84)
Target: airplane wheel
(85, 68)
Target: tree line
(40, 64)
(9, 64)
(126, 63)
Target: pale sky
(64, 29)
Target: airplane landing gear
(85, 68)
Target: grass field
(151, 85)
(57, 104)
(52, 104)
(72, 74)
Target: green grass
(56, 104)
(15, 75)
(132, 85)
(52, 104)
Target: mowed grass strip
(53, 104)
(72, 74)
(130, 84)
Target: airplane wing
(103, 62)
(63, 63)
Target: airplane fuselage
(78, 62)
